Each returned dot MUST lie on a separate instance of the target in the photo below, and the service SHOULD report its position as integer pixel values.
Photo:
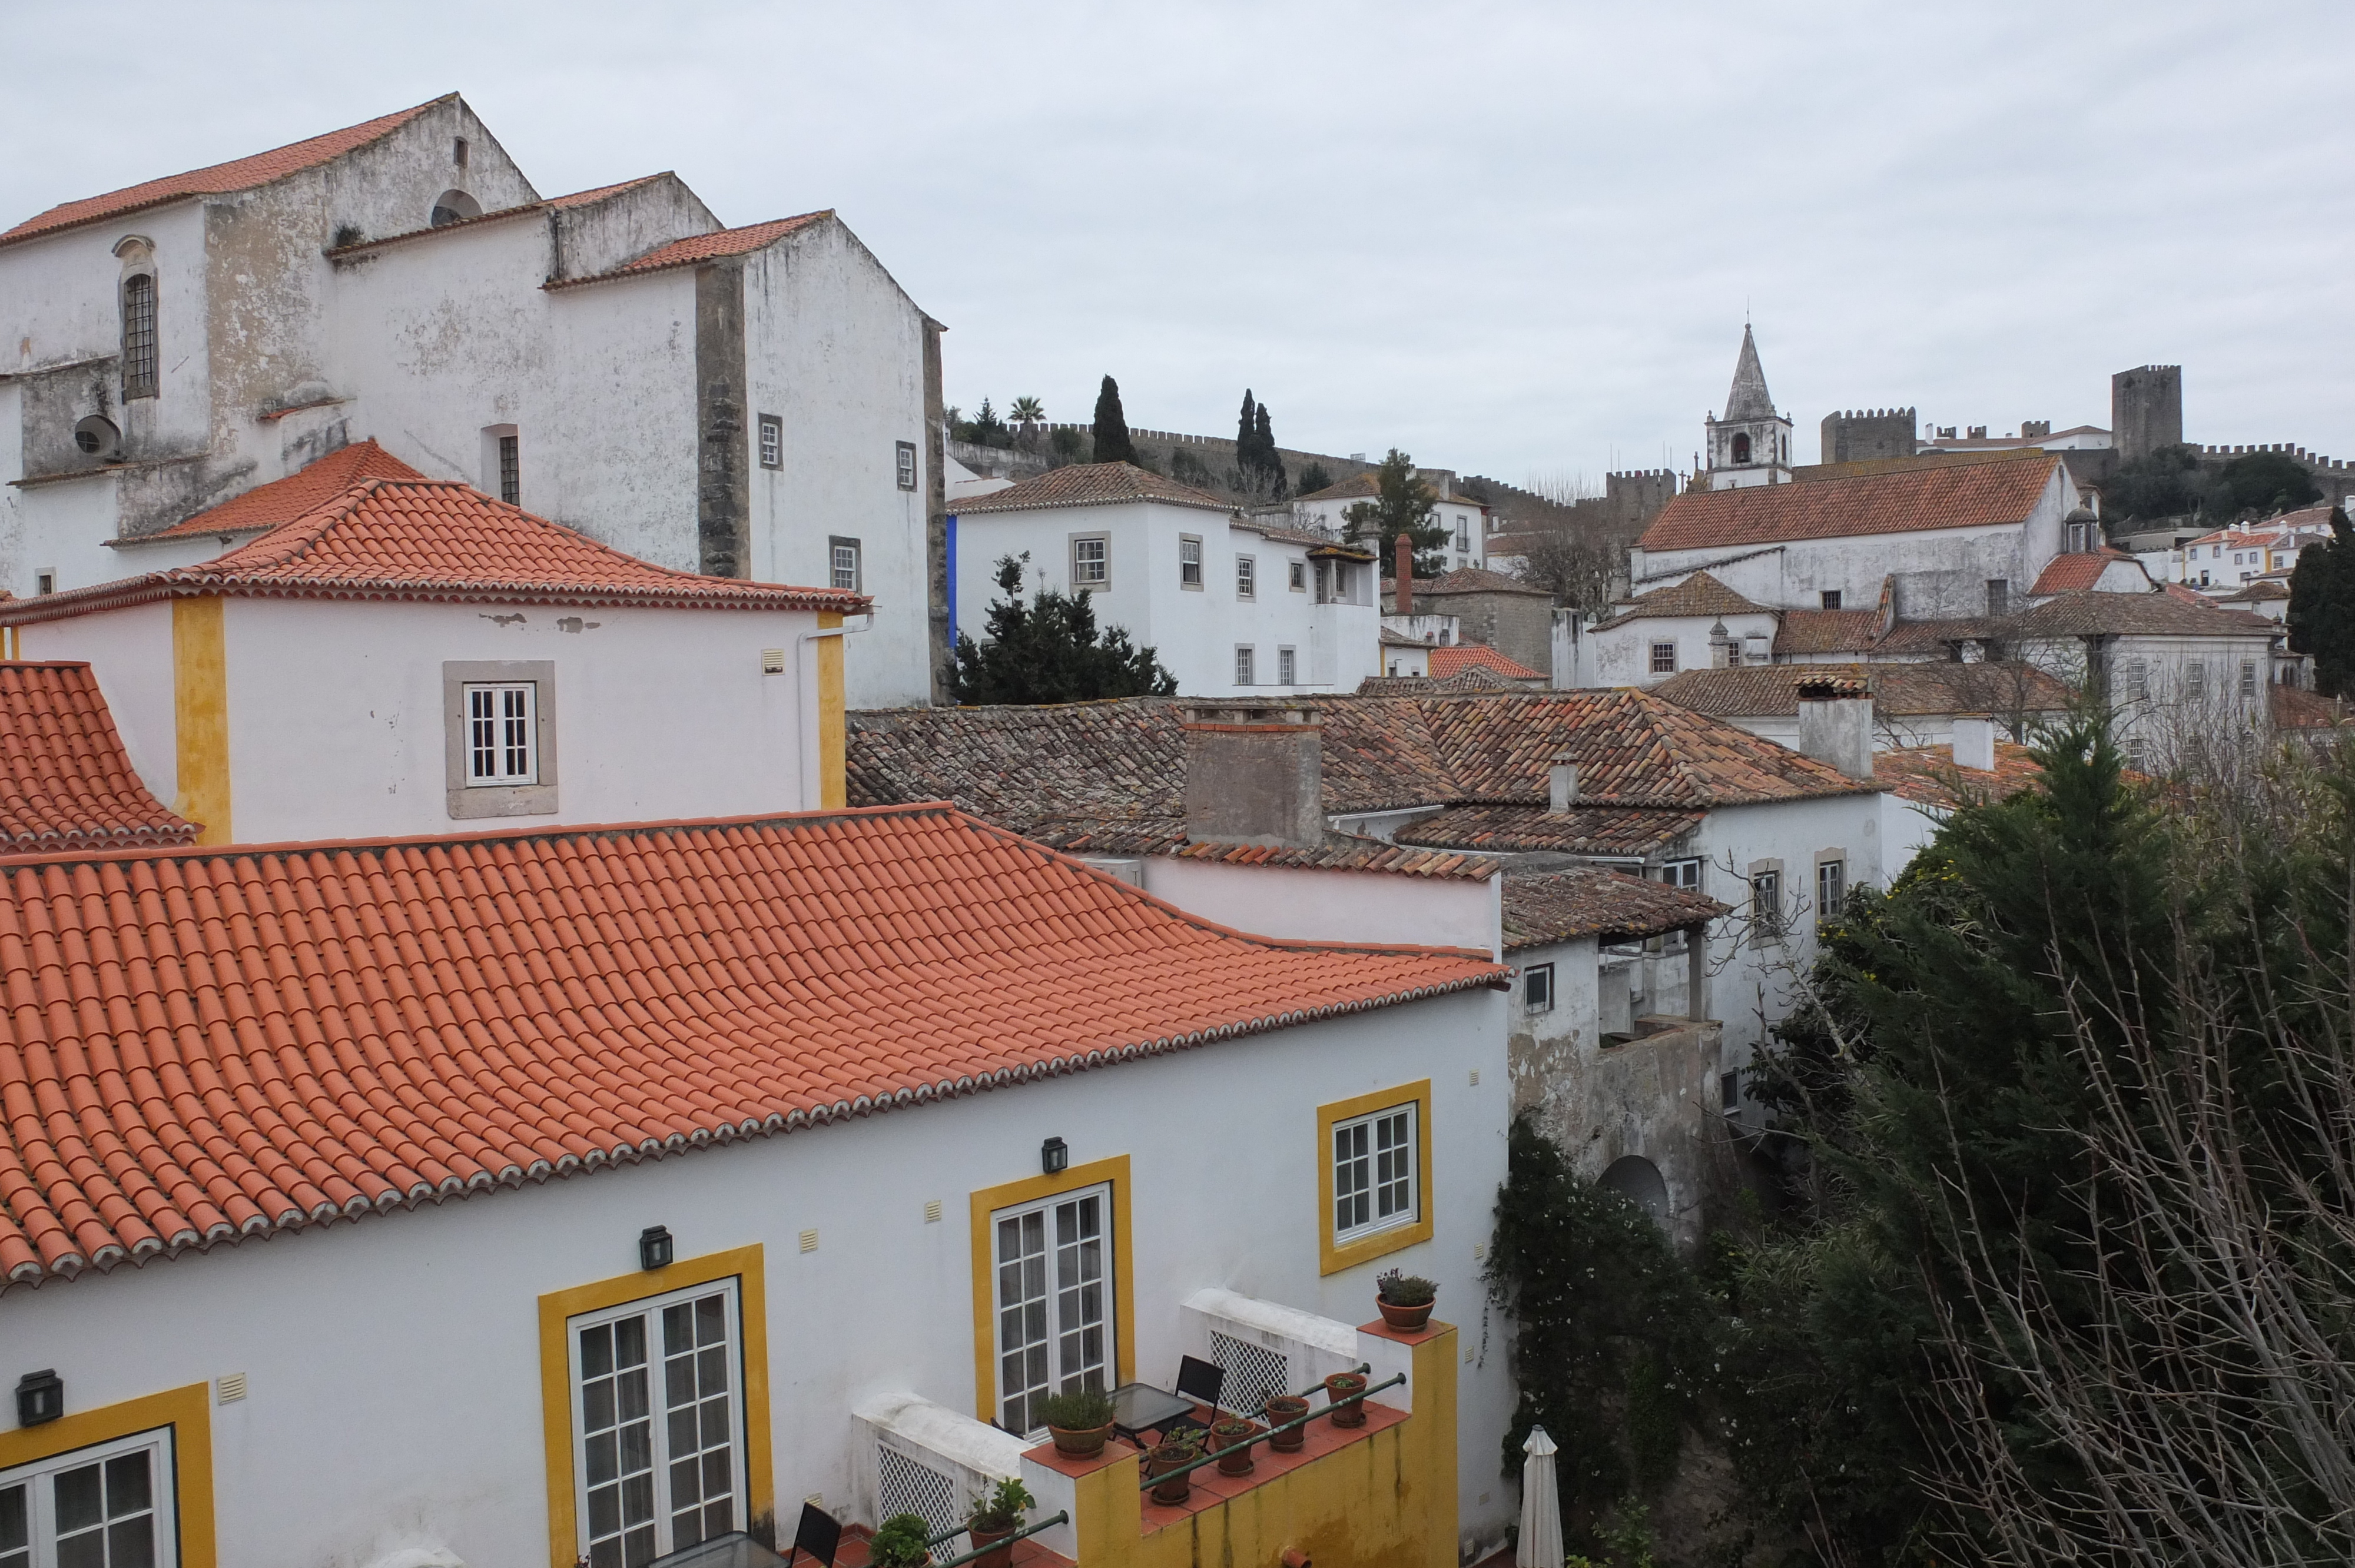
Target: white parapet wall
(1265, 1348)
(925, 1458)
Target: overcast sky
(1514, 240)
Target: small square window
(1287, 667)
(1664, 658)
(1242, 666)
(1537, 989)
(1832, 598)
(1189, 561)
(845, 561)
(1375, 1173)
(1300, 577)
(1090, 562)
(45, 582)
(772, 441)
(905, 452)
(1246, 578)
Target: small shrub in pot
(1173, 1454)
(1079, 1421)
(994, 1518)
(901, 1541)
(1405, 1299)
(1340, 1386)
(1231, 1440)
(1282, 1410)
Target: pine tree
(1401, 504)
(1050, 651)
(2322, 607)
(1113, 444)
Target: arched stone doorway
(1636, 1177)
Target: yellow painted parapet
(832, 723)
(200, 716)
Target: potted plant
(1230, 1440)
(994, 1518)
(1079, 1421)
(903, 1541)
(1339, 1387)
(1405, 1298)
(1282, 1410)
(1173, 1454)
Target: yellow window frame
(744, 1265)
(1112, 1172)
(1334, 1255)
(187, 1411)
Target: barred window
(511, 470)
(138, 336)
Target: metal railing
(1362, 1393)
(1004, 1541)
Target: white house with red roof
(2222, 562)
(1465, 518)
(754, 402)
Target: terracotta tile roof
(1471, 678)
(1588, 901)
(2293, 707)
(1941, 687)
(203, 1045)
(1357, 487)
(1977, 495)
(1461, 656)
(1927, 776)
(436, 540)
(1092, 484)
(697, 248)
(1338, 852)
(65, 780)
(2262, 590)
(2069, 574)
(2088, 614)
(578, 199)
(239, 175)
(1475, 580)
(1697, 595)
(284, 500)
(1827, 632)
(1582, 829)
(1934, 638)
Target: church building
(1752, 445)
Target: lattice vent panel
(1255, 1373)
(909, 1486)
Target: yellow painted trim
(187, 1411)
(201, 716)
(1332, 1258)
(745, 1266)
(833, 728)
(988, 1200)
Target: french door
(657, 1426)
(1054, 1302)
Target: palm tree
(1026, 413)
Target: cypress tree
(1113, 444)
(1271, 462)
(1246, 434)
(2322, 607)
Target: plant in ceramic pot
(994, 1518)
(1173, 1454)
(1282, 1411)
(1079, 1421)
(1230, 1440)
(903, 1541)
(1405, 1299)
(1339, 1388)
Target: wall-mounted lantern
(41, 1396)
(655, 1248)
(1054, 1157)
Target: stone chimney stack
(1561, 784)
(1720, 647)
(1255, 774)
(1836, 723)
(1975, 742)
(1405, 569)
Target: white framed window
(1374, 1173)
(1685, 873)
(1091, 561)
(1664, 658)
(2248, 677)
(1053, 1301)
(1537, 989)
(1287, 667)
(1246, 578)
(2195, 679)
(1831, 889)
(1300, 577)
(107, 1506)
(1189, 561)
(502, 734)
(846, 563)
(1242, 666)
(772, 441)
(904, 462)
(1766, 904)
(658, 1425)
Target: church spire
(1748, 400)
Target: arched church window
(1741, 448)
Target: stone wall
(1859, 435)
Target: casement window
(845, 561)
(2195, 679)
(1091, 561)
(1831, 599)
(1375, 1173)
(1537, 989)
(1999, 598)
(1684, 874)
(1729, 1090)
(1287, 667)
(658, 1425)
(1189, 562)
(1664, 658)
(1766, 904)
(1053, 1301)
(106, 1505)
(1246, 578)
(1242, 666)
(1300, 577)
(511, 470)
(772, 441)
(1831, 889)
(502, 735)
(2248, 678)
(138, 336)
(904, 459)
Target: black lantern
(41, 1396)
(1054, 1157)
(654, 1247)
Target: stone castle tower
(1752, 445)
(2146, 411)
(1864, 435)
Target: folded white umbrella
(1540, 1506)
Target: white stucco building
(1465, 520)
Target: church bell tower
(1752, 445)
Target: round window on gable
(454, 206)
(97, 437)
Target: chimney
(1720, 647)
(1255, 774)
(1836, 723)
(1561, 784)
(1405, 569)
(1975, 742)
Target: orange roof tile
(1977, 495)
(432, 539)
(1461, 656)
(1588, 901)
(1698, 595)
(1827, 631)
(284, 500)
(497, 215)
(205, 1044)
(1090, 484)
(65, 780)
(1477, 579)
(239, 175)
(1899, 690)
(699, 248)
(1927, 775)
(2068, 574)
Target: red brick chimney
(1405, 575)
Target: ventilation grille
(1255, 1373)
(909, 1486)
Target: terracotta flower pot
(1340, 1386)
(1174, 1488)
(1405, 1319)
(1284, 1408)
(984, 1538)
(1234, 1450)
(1086, 1443)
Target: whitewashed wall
(1332, 905)
(1622, 656)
